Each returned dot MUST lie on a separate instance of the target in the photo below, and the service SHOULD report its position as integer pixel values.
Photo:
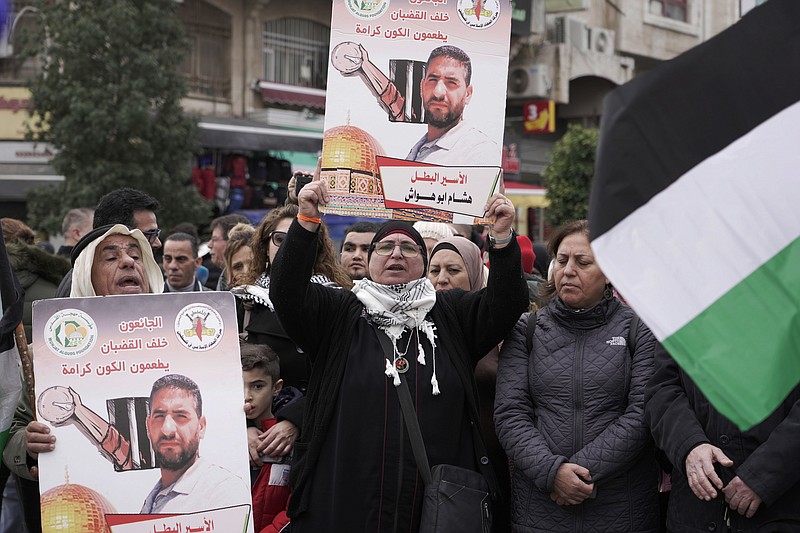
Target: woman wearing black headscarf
(354, 469)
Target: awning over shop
(279, 93)
(16, 186)
(25, 166)
(526, 195)
(243, 134)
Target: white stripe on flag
(715, 225)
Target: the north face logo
(617, 341)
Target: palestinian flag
(695, 208)
(11, 304)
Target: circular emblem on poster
(56, 404)
(367, 9)
(347, 57)
(478, 14)
(70, 333)
(199, 327)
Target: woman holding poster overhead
(354, 468)
(569, 407)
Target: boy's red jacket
(270, 500)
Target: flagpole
(27, 365)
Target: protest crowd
(541, 381)
(425, 377)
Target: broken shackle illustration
(399, 93)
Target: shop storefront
(24, 165)
(246, 164)
(530, 202)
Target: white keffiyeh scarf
(259, 291)
(397, 308)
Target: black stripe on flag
(12, 296)
(663, 123)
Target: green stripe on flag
(743, 351)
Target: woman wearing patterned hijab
(354, 469)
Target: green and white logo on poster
(367, 9)
(70, 333)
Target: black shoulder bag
(456, 499)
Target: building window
(16, 66)
(296, 52)
(681, 16)
(671, 9)
(206, 66)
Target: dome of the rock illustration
(72, 507)
(351, 147)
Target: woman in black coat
(354, 469)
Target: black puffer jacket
(764, 457)
(580, 399)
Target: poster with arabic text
(144, 395)
(415, 109)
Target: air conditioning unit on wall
(601, 41)
(529, 81)
(568, 30)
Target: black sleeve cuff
(293, 412)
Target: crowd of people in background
(523, 362)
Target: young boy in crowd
(261, 375)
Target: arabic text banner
(144, 395)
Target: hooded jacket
(39, 273)
(578, 398)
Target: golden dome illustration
(350, 147)
(75, 508)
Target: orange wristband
(309, 219)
